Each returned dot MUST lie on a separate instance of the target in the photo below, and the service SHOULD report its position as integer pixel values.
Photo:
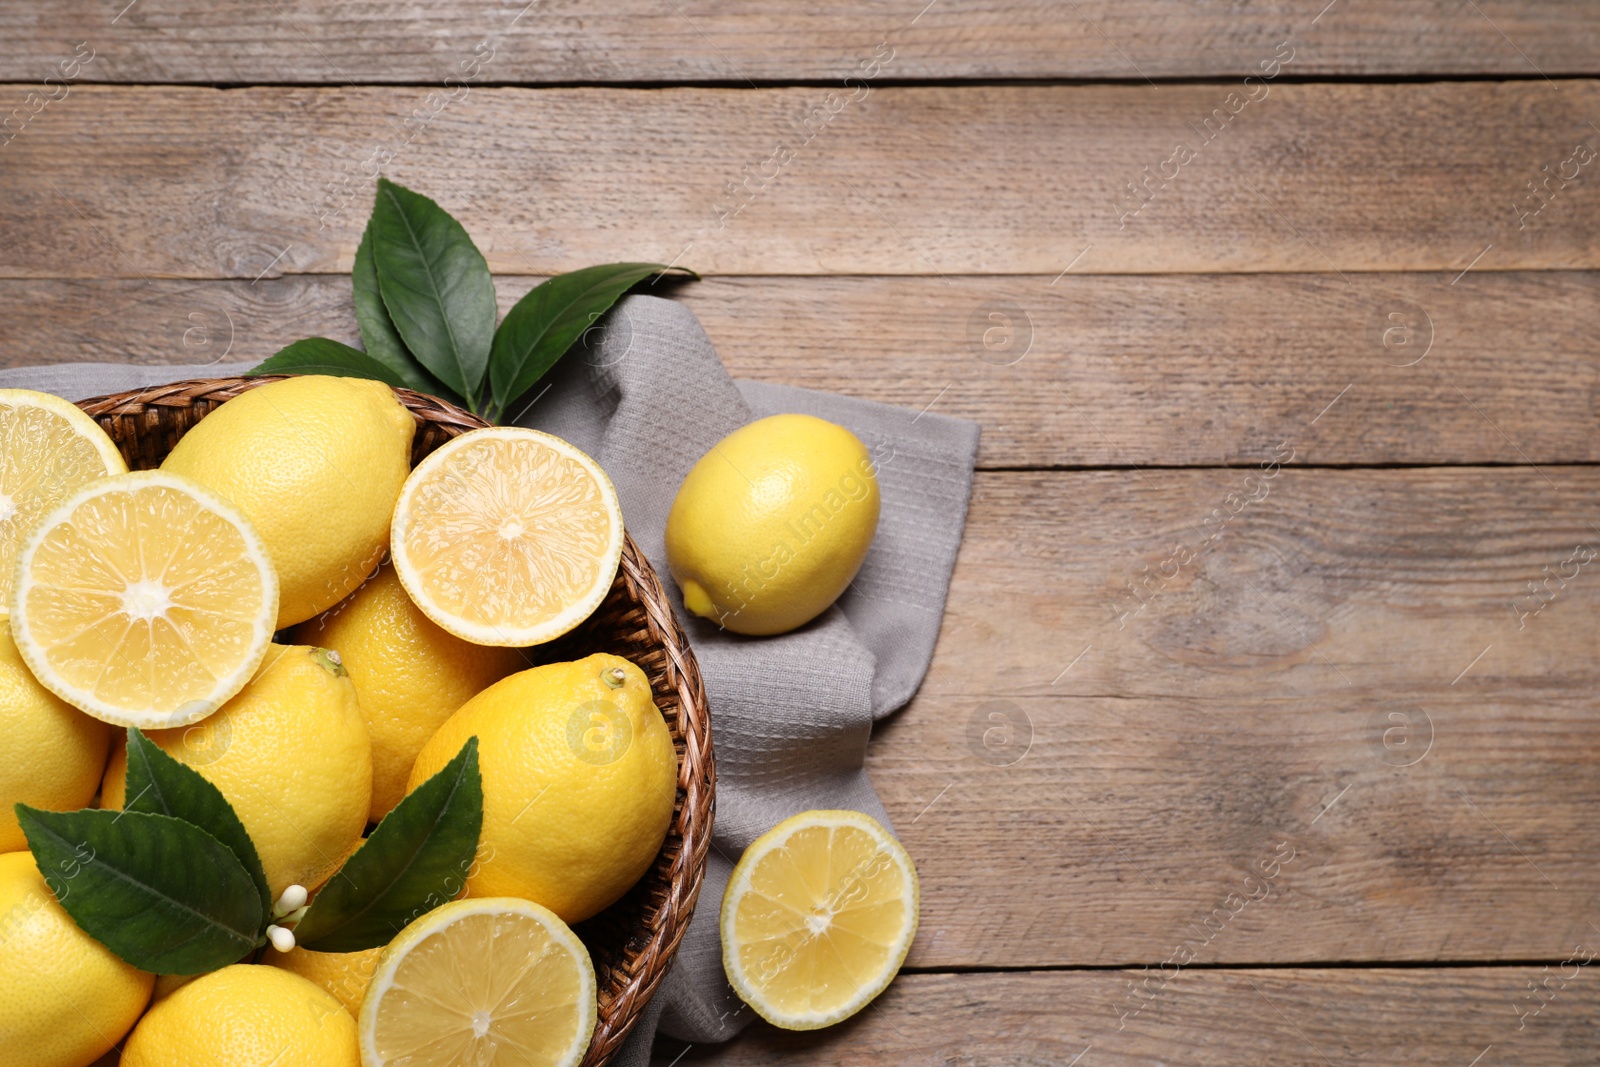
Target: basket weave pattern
(634, 940)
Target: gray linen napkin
(791, 715)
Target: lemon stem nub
(282, 940)
(293, 899)
(330, 661)
(697, 600)
(614, 678)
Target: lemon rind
(505, 635)
(443, 916)
(147, 719)
(739, 882)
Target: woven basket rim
(145, 422)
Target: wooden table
(1262, 727)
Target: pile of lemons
(238, 606)
(289, 608)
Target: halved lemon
(817, 918)
(506, 536)
(144, 600)
(48, 448)
(493, 981)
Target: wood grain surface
(1271, 638)
(1288, 1018)
(544, 41)
(1093, 371)
(1352, 664)
(1035, 180)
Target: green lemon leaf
(161, 893)
(318, 355)
(436, 286)
(544, 324)
(160, 784)
(417, 859)
(377, 329)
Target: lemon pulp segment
(144, 601)
(48, 448)
(507, 536)
(818, 917)
(496, 981)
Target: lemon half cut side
(48, 448)
(818, 917)
(491, 980)
(144, 600)
(507, 536)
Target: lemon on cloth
(315, 464)
(48, 448)
(506, 536)
(494, 981)
(579, 777)
(772, 524)
(291, 754)
(55, 754)
(817, 918)
(409, 674)
(344, 974)
(144, 600)
(245, 1015)
(65, 998)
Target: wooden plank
(1129, 823)
(1085, 371)
(209, 42)
(1339, 675)
(925, 181)
(1289, 1018)
(1369, 583)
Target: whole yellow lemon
(316, 464)
(65, 998)
(55, 753)
(579, 776)
(290, 752)
(772, 524)
(245, 1015)
(410, 675)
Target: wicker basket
(634, 940)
